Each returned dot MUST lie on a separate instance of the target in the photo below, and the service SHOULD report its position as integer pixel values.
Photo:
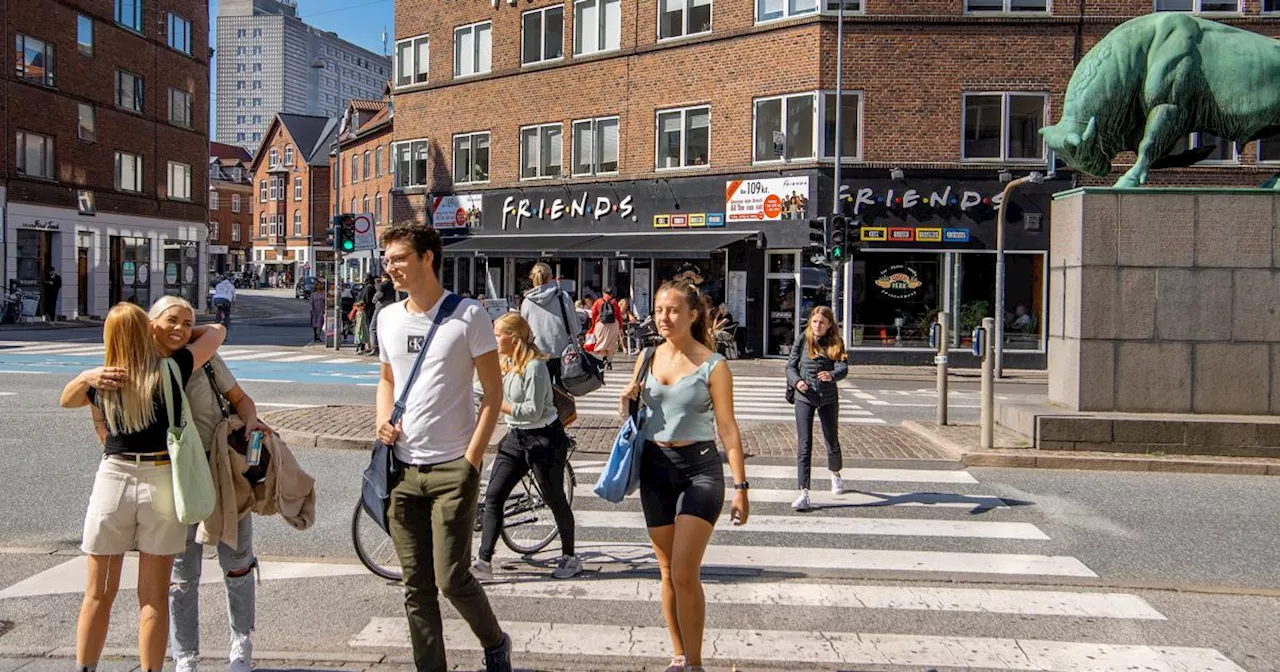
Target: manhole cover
(5, 626)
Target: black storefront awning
(672, 245)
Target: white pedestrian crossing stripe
(762, 471)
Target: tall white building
(265, 57)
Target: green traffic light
(348, 245)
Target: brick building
(631, 142)
(291, 198)
(230, 208)
(365, 177)
(106, 128)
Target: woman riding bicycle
(536, 441)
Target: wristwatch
(741, 486)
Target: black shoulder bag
(581, 372)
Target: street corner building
(627, 144)
(105, 168)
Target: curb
(941, 442)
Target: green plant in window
(971, 314)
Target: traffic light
(346, 225)
(838, 240)
(817, 250)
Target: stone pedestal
(1165, 301)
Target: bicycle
(527, 524)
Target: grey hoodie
(545, 319)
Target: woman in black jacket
(817, 364)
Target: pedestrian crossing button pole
(982, 347)
(939, 339)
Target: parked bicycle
(11, 307)
(527, 525)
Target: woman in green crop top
(688, 391)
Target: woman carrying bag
(551, 316)
(132, 505)
(817, 365)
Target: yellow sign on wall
(873, 233)
(928, 235)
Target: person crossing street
(817, 365)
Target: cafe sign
(899, 282)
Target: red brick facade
(230, 206)
(298, 203)
(365, 163)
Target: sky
(358, 21)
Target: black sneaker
(498, 659)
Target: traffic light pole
(337, 292)
(839, 295)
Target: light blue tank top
(682, 410)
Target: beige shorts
(132, 508)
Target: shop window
(1010, 6)
(597, 26)
(471, 158)
(472, 49)
(896, 297)
(129, 14)
(179, 181)
(772, 10)
(595, 146)
(1003, 126)
(35, 60)
(128, 91)
(681, 18)
(542, 35)
(84, 34)
(128, 172)
(794, 117)
(180, 108)
(35, 155)
(973, 282)
(179, 34)
(541, 151)
(684, 138)
(1199, 6)
(410, 163)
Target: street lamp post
(1034, 178)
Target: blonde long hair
(130, 346)
(525, 351)
(831, 345)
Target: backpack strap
(217, 394)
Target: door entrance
(82, 286)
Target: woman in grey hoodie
(551, 316)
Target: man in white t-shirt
(440, 444)
(224, 295)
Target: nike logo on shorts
(704, 452)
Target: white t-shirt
(439, 416)
(225, 290)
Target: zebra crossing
(854, 583)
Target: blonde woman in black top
(817, 365)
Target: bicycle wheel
(373, 546)
(528, 525)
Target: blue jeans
(184, 590)
(225, 305)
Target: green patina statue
(1157, 78)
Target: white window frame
(179, 189)
(178, 34)
(395, 153)
(355, 168)
(1196, 8)
(601, 27)
(377, 208)
(136, 159)
(595, 145)
(543, 172)
(91, 133)
(684, 160)
(235, 203)
(175, 95)
(1193, 141)
(787, 11)
(262, 225)
(288, 155)
(542, 36)
(815, 141)
(138, 100)
(822, 125)
(684, 18)
(377, 161)
(214, 201)
(297, 188)
(851, 7)
(50, 60)
(1004, 129)
(235, 232)
(273, 157)
(47, 169)
(471, 138)
(418, 70)
(364, 204)
(474, 29)
(364, 166)
(273, 187)
(1007, 8)
(262, 191)
(297, 223)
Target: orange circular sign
(460, 216)
(772, 206)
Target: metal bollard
(941, 340)
(988, 381)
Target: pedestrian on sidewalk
(49, 299)
(536, 441)
(359, 319)
(318, 296)
(552, 317)
(606, 327)
(816, 366)
(630, 321)
(688, 393)
(439, 444)
(383, 297)
(172, 320)
(132, 505)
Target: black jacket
(366, 296)
(386, 294)
(801, 367)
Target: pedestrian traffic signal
(817, 250)
(838, 240)
(346, 225)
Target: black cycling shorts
(681, 481)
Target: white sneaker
(837, 484)
(186, 663)
(483, 571)
(802, 502)
(241, 657)
(568, 567)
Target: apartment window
(355, 168)
(276, 190)
(391, 161)
(262, 224)
(365, 168)
(771, 10)
(297, 188)
(542, 35)
(235, 203)
(850, 7)
(1202, 6)
(1271, 5)
(288, 155)
(179, 34)
(257, 32)
(179, 181)
(257, 84)
(256, 51)
(213, 232)
(1003, 126)
(364, 204)
(241, 33)
(377, 161)
(262, 191)
(1011, 6)
(471, 158)
(214, 201)
(850, 120)
(180, 108)
(472, 46)
(678, 18)
(1224, 150)
(684, 137)
(353, 205)
(411, 163)
(793, 116)
(541, 151)
(35, 155)
(412, 60)
(273, 228)
(129, 14)
(595, 146)
(84, 34)
(128, 91)
(235, 232)
(597, 26)
(87, 126)
(297, 222)
(128, 172)
(257, 67)
(273, 157)
(377, 208)
(35, 60)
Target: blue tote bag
(621, 474)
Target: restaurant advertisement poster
(770, 199)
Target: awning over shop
(672, 245)
(516, 245)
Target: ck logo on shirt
(415, 343)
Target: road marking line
(283, 405)
(298, 358)
(256, 355)
(50, 349)
(8, 394)
(755, 417)
(27, 373)
(811, 647)
(829, 525)
(977, 600)
(344, 361)
(264, 380)
(226, 353)
(762, 471)
(866, 500)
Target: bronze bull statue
(1157, 78)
